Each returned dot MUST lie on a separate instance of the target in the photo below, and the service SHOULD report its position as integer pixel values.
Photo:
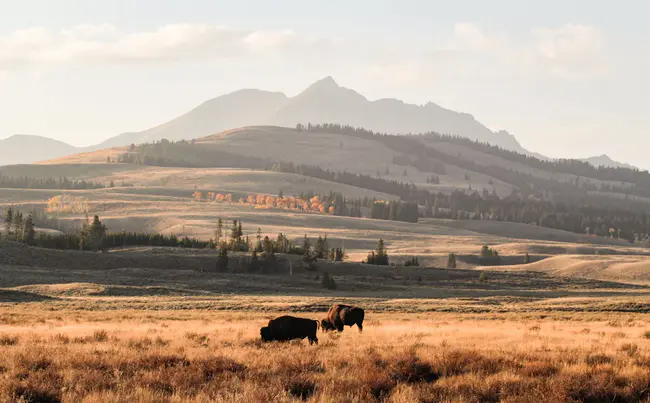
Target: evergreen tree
(328, 281)
(254, 265)
(306, 249)
(96, 234)
(111, 184)
(18, 226)
(379, 256)
(29, 234)
(325, 280)
(527, 259)
(222, 260)
(9, 219)
(218, 233)
(451, 261)
(320, 252)
(259, 247)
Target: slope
(26, 149)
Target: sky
(568, 78)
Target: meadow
(51, 355)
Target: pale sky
(567, 77)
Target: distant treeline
(186, 154)
(640, 179)
(26, 182)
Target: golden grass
(216, 357)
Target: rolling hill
(26, 149)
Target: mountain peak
(324, 84)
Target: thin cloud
(105, 43)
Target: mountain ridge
(324, 101)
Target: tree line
(640, 179)
(26, 182)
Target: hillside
(26, 149)
(455, 162)
(323, 102)
(605, 161)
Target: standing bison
(287, 328)
(339, 316)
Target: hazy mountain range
(25, 149)
(322, 102)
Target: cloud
(572, 50)
(468, 51)
(105, 43)
(568, 52)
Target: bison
(287, 328)
(339, 316)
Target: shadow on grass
(21, 296)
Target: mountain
(605, 161)
(322, 102)
(241, 108)
(25, 149)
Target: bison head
(326, 325)
(265, 332)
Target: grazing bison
(339, 316)
(287, 328)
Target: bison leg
(312, 340)
(360, 326)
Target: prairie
(207, 356)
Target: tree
(451, 261)
(9, 219)
(320, 252)
(111, 184)
(29, 234)
(96, 234)
(254, 265)
(482, 278)
(379, 256)
(218, 233)
(18, 226)
(222, 260)
(527, 259)
(306, 249)
(328, 282)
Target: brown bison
(339, 316)
(287, 328)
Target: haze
(566, 80)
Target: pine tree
(222, 260)
(111, 184)
(379, 255)
(527, 259)
(218, 233)
(29, 235)
(325, 280)
(451, 261)
(18, 223)
(234, 236)
(96, 234)
(259, 247)
(320, 251)
(306, 249)
(9, 219)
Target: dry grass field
(207, 356)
